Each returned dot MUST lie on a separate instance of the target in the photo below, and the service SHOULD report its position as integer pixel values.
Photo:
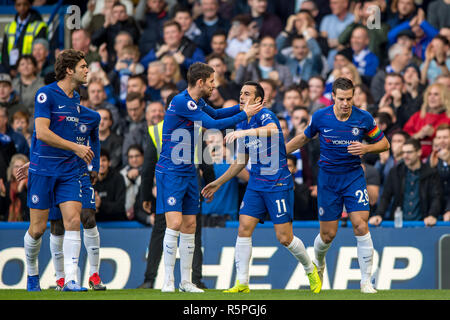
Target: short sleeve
(312, 128)
(264, 118)
(42, 104)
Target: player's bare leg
(360, 225)
(32, 246)
(286, 237)
(243, 253)
(71, 211)
(91, 239)
(56, 249)
(322, 243)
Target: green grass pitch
(275, 294)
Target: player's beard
(206, 93)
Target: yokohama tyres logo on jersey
(68, 118)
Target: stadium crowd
(396, 52)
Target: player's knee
(360, 229)
(327, 237)
(284, 239)
(36, 231)
(72, 223)
(244, 231)
(88, 218)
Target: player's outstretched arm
(235, 168)
(22, 172)
(44, 134)
(266, 131)
(359, 149)
(296, 143)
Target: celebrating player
(341, 128)
(176, 181)
(269, 189)
(54, 166)
(87, 131)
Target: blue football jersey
(179, 136)
(51, 102)
(335, 136)
(267, 157)
(87, 132)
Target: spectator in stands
(136, 125)
(302, 199)
(435, 110)
(175, 43)
(333, 24)
(27, 82)
(363, 13)
(400, 11)
(227, 89)
(422, 30)
(305, 59)
(97, 100)
(8, 97)
(81, 41)
(14, 193)
(395, 98)
(119, 21)
(365, 60)
(291, 99)
(131, 174)
(437, 60)
(109, 140)
(438, 13)
(373, 184)
(440, 159)
(444, 80)
(183, 16)
(218, 46)
(317, 100)
(172, 73)
(155, 80)
(137, 83)
(166, 90)
(21, 124)
(239, 38)
(362, 98)
(209, 22)
(99, 11)
(399, 57)
(270, 96)
(41, 52)
(390, 158)
(109, 57)
(154, 113)
(151, 16)
(266, 23)
(110, 192)
(5, 129)
(342, 58)
(413, 186)
(265, 66)
(224, 206)
(350, 72)
(127, 65)
(20, 33)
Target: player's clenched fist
(85, 153)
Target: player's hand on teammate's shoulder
(22, 172)
(84, 152)
(357, 148)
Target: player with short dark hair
(54, 166)
(341, 128)
(176, 176)
(269, 189)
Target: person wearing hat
(20, 33)
(8, 97)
